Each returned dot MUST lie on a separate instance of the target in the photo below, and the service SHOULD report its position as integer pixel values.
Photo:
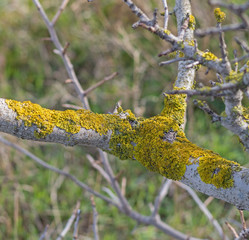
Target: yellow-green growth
(234, 77)
(209, 56)
(167, 32)
(192, 22)
(136, 138)
(219, 15)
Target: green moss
(135, 138)
(219, 15)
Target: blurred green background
(101, 42)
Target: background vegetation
(101, 42)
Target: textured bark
(147, 141)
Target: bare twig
(242, 219)
(69, 223)
(204, 106)
(108, 78)
(65, 58)
(172, 61)
(165, 53)
(203, 208)
(98, 167)
(163, 191)
(231, 228)
(215, 30)
(223, 48)
(44, 233)
(54, 169)
(65, 48)
(184, 27)
(243, 44)
(166, 14)
(59, 12)
(76, 225)
(71, 106)
(95, 219)
(216, 91)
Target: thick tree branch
(158, 143)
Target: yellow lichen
(234, 76)
(167, 32)
(219, 15)
(192, 22)
(137, 138)
(209, 56)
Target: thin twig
(65, 48)
(184, 27)
(223, 48)
(54, 169)
(44, 232)
(243, 44)
(59, 12)
(95, 219)
(163, 191)
(242, 218)
(232, 229)
(76, 225)
(69, 223)
(71, 106)
(124, 203)
(218, 90)
(67, 62)
(166, 14)
(108, 78)
(178, 59)
(204, 106)
(203, 208)
(98, 167)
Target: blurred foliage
(101, 42)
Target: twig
(204, 106)
(217, 91)
(235, 60)
(95, 219)
(232, 229)
(192, 64)
(54, 169)
(242, 219)
(215, 30)
(124, 203)
(67, 63)
(172, 61)
(76, 225)
(163, 191)
(223, 48)
(165, 53)
(69, 223)
(243, 44)
(71, 106)
(44, 232)
(108, 78)
(184, 27)
(203, 208)
(166, 14)
(65, 48)
(59, 12)
(98, 167)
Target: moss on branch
(158, 143)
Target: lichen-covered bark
(158, 143)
